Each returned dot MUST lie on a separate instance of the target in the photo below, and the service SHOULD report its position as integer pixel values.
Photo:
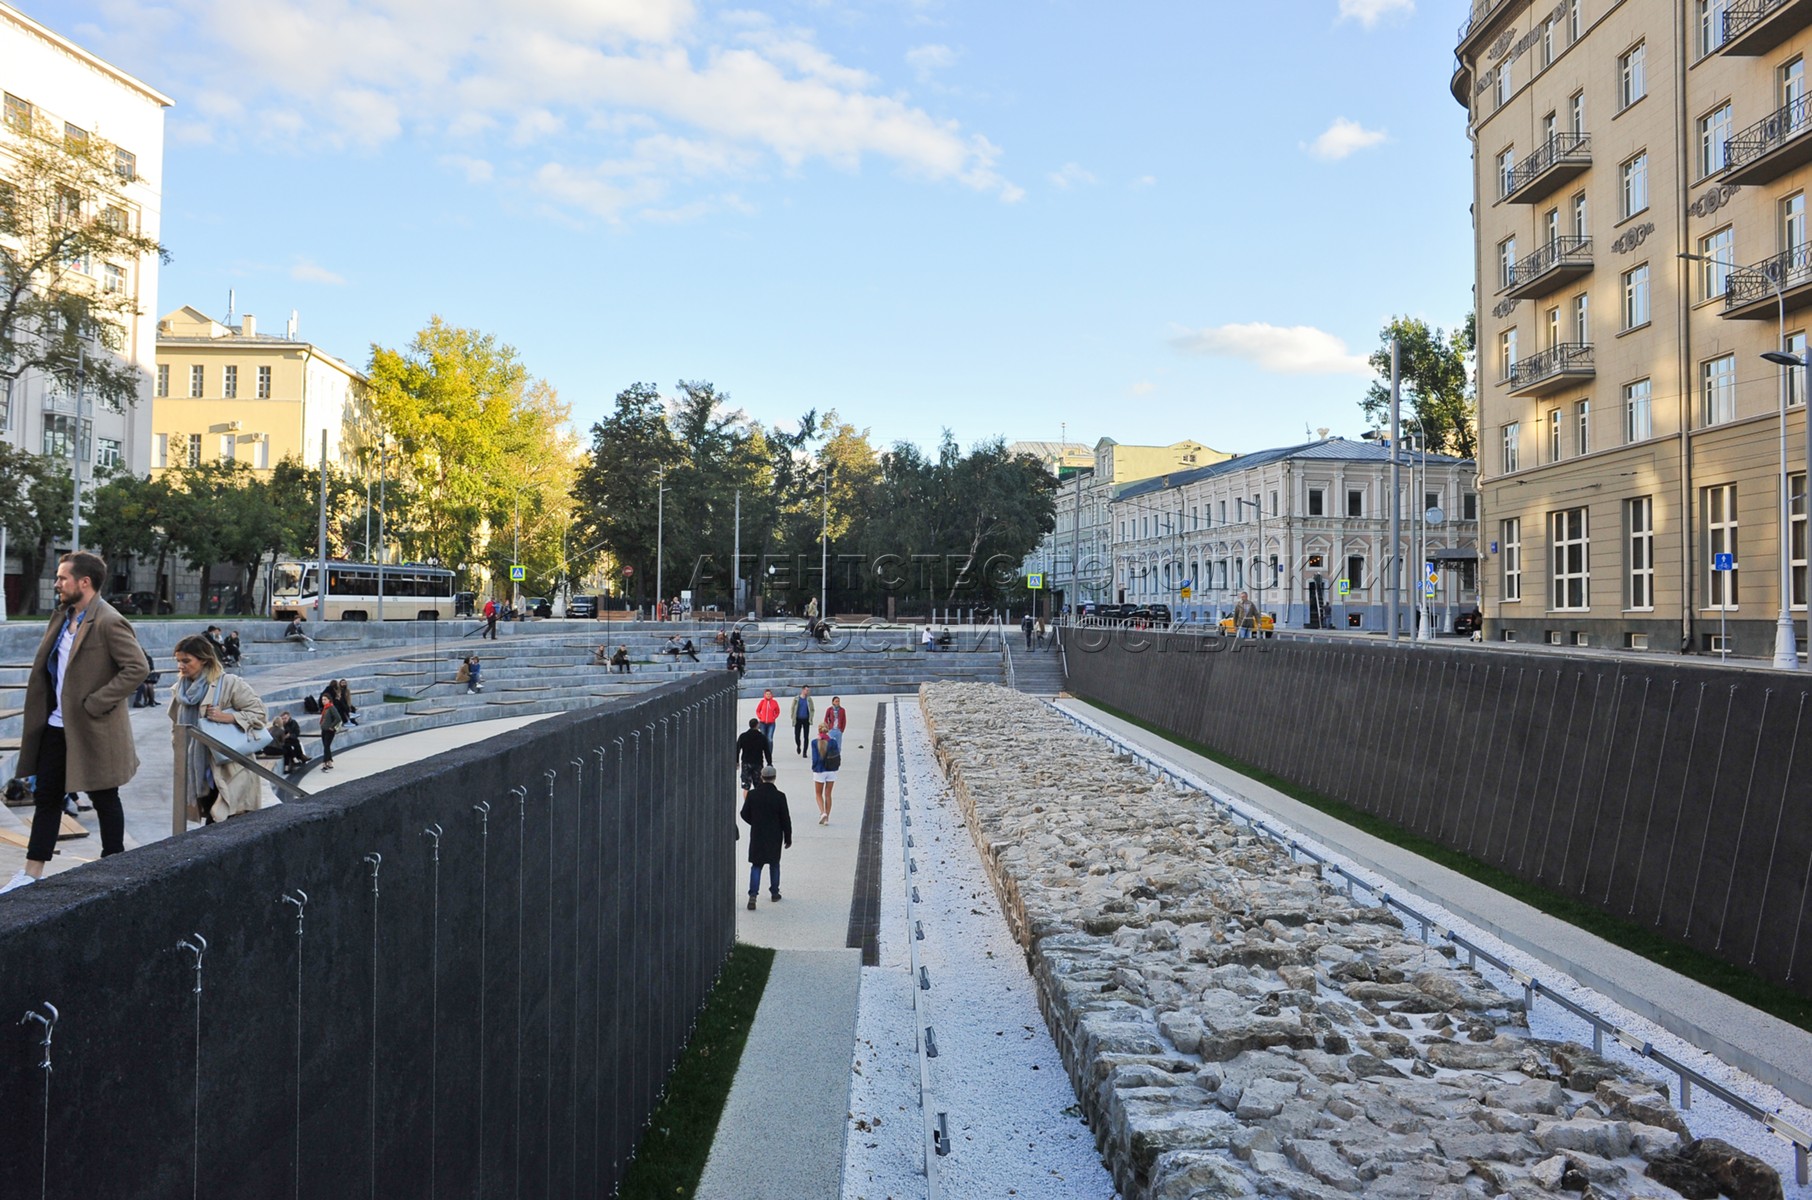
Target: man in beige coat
(77, 730)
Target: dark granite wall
(498, 1023)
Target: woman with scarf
(206, 694)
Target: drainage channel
(937, 1126)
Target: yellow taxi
(1267, 624)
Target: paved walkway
(781, 1134)
(1764, 1047)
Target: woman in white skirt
(827, 757)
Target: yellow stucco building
(228, 391)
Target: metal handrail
(1690, 1078)
(1742, 15)
(1768, 134)
(1480, 10)
(1559, 148)
(179, 819)
(1570, 249)
(1563, 356)
(1788, 269)
(1006, 653)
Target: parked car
(140, 603)
(1267, 625)
(1153, 616)
(583, 608)
(537, 606)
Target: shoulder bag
(245, 742)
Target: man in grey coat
(77, 730)
(770, 827)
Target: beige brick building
(1630, 432)
(228, 391)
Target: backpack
(832, 755)
(311, 704)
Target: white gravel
(1013, 1119)
(1015, 1128)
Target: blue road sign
(1723, 562)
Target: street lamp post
(1785, 359)
(660, 529)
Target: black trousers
(47, 810)
(802, 733)
(327, 736)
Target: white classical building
(44, 75)
(1288, 523)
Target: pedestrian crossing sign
(518, 574)
(1343, 587)
(1034, 580)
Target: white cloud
(1281, 349)
(1145, 181)
(304, 271)
(1071, 175)
(579, 78)
(476, 170)
(1342, 138)
(1144, 387)
(926, 61)
(1369, 12)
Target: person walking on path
(837, 717)
(767, 712)
(770, 827)
(206, 694)
(1025, 626)
(827, 758)
(1038, 634)
(753, 751)
(1245, 617)
(802, 719)
(77, 728)
(490, 620)
(331, 720)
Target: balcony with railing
(1771, 147)
(1560, 261)
(1559, 366)
(1556, 161)
(1753, 27)
(1777, 284)
(1475, 19)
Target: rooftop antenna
(294, 317)
(230, 303)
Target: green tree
(65, 221)
(128, 516)
(1435, 372)
(614, 492)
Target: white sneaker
(18, 881)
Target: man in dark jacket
(752, 750)
(770, 827)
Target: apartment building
(1296, 527)
(49, 82)
(230, 392)
(1640, 196)
(1078, 553)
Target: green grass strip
(671, 1159)
(1694, 964)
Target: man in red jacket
(767, 714)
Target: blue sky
(1151, 220)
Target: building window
(1719, 252)
(1316, 505)
(1510, 558)
(1571, 575)
(1355, 572)
(1553, 327)
(262, 452)
(113, 278)
(1223, 512)
(1506, 353)
(1711, 25)
(1794, 377)
(74, 137)
(1504, 84)
(194, 457)
(1632, 80)
(1718, 507)
(125, 164)
(1714, 131)
(229, 382)
(114, 218)
(1635, 185)
(1506, 172)
(1637, 423)
(1582, 320)
(264, 383)
(1582, 426)
(18, 114)
(1717, 378)
(1469, 506)
(107, 453)
(228, 447)
(1554, 443)
(1506, 263)
(1639, 552)
(1355, 502)
(1580, 222)
(1550, 223)
(1796, 526)
(60, 438)
(1547, 42)
(1793, 222)
(1512, 436)
(160, 450)
(1574, 25)
(197, 380)
(1635, 297)
(163, 379)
